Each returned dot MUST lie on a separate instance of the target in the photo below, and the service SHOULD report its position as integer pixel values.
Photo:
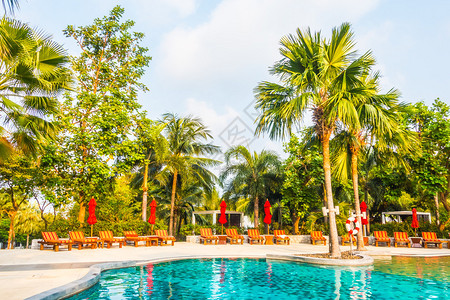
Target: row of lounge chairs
(400, 238)
(207, 237)
(106, 238)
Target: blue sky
(208, 55)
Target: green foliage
(303, 179)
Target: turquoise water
(415, 278)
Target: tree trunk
(354, 165)
(172, 201)
(28, 241)
(144, 194)
(82, 213)
(11, 234)
(436, 202)
(256, 211)
(335, 251)
(296, 221)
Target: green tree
(303, 180)
(320, 75)
(98, 122)
(28, 221)
(185, 160)
(253, 175)
(33, 73)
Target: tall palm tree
(32, 74)
(314, 74)
(252, 175)
(185, 158)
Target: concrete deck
(24, 273)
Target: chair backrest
(278, 232)
(231, 232)
(401, 236)
(106, 235)
(380, 234)
(161, 232)
(130, 233)
(253, 233)
(206, 232)
(76, 235)
(429, 235)
(50, 236)
(316, 235)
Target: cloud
(241, 37)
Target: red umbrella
(268, 217)
(415, 222)
(92, 219)
(152, 218)
(223, 217)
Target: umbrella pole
(152, 228)
(222, 229)
(92, 229)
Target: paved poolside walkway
(24, 273)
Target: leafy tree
(32, 74)
(99, 120)
(303, 180)
(16, 185)
(321, 75)
(185, 161)
(28, 221)
(253, 175)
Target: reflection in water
(269, 273)
(149, 279)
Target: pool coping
(365, 260)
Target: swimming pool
(270, 279)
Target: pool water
(401, 278)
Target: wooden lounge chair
(78, 238)
(317, 236)
(345, 239)
(51, 239)
(381, 237)
(108, 238)
(207, 236)
(132, 237)
(164, 238)
(401, 238)
(253, 235)
(281, 237)
(234, 237)
(431, 238)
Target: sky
(209, 55)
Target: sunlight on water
(415, 278)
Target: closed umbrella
(223, 217)
(92, 219)
(415, 222)
(152, 218)
(364, 220)
(268, 216)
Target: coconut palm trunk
(335, 251)
(145, 193)
(172, 201)
(354, 165)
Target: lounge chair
(108, 238)
(78, 238)
(401, 238)
(207, 236)
(51, 239)
(234, 237)
(164, 238)
(132, 237)
(431, 238)
(281, 237)
(253, 235)
(317, 236)
(381, 237)
(345, 239)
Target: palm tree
(184, 160)
(32, 72)
(28, 221)
(314, 74)
(12, 4)
(252, 175)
